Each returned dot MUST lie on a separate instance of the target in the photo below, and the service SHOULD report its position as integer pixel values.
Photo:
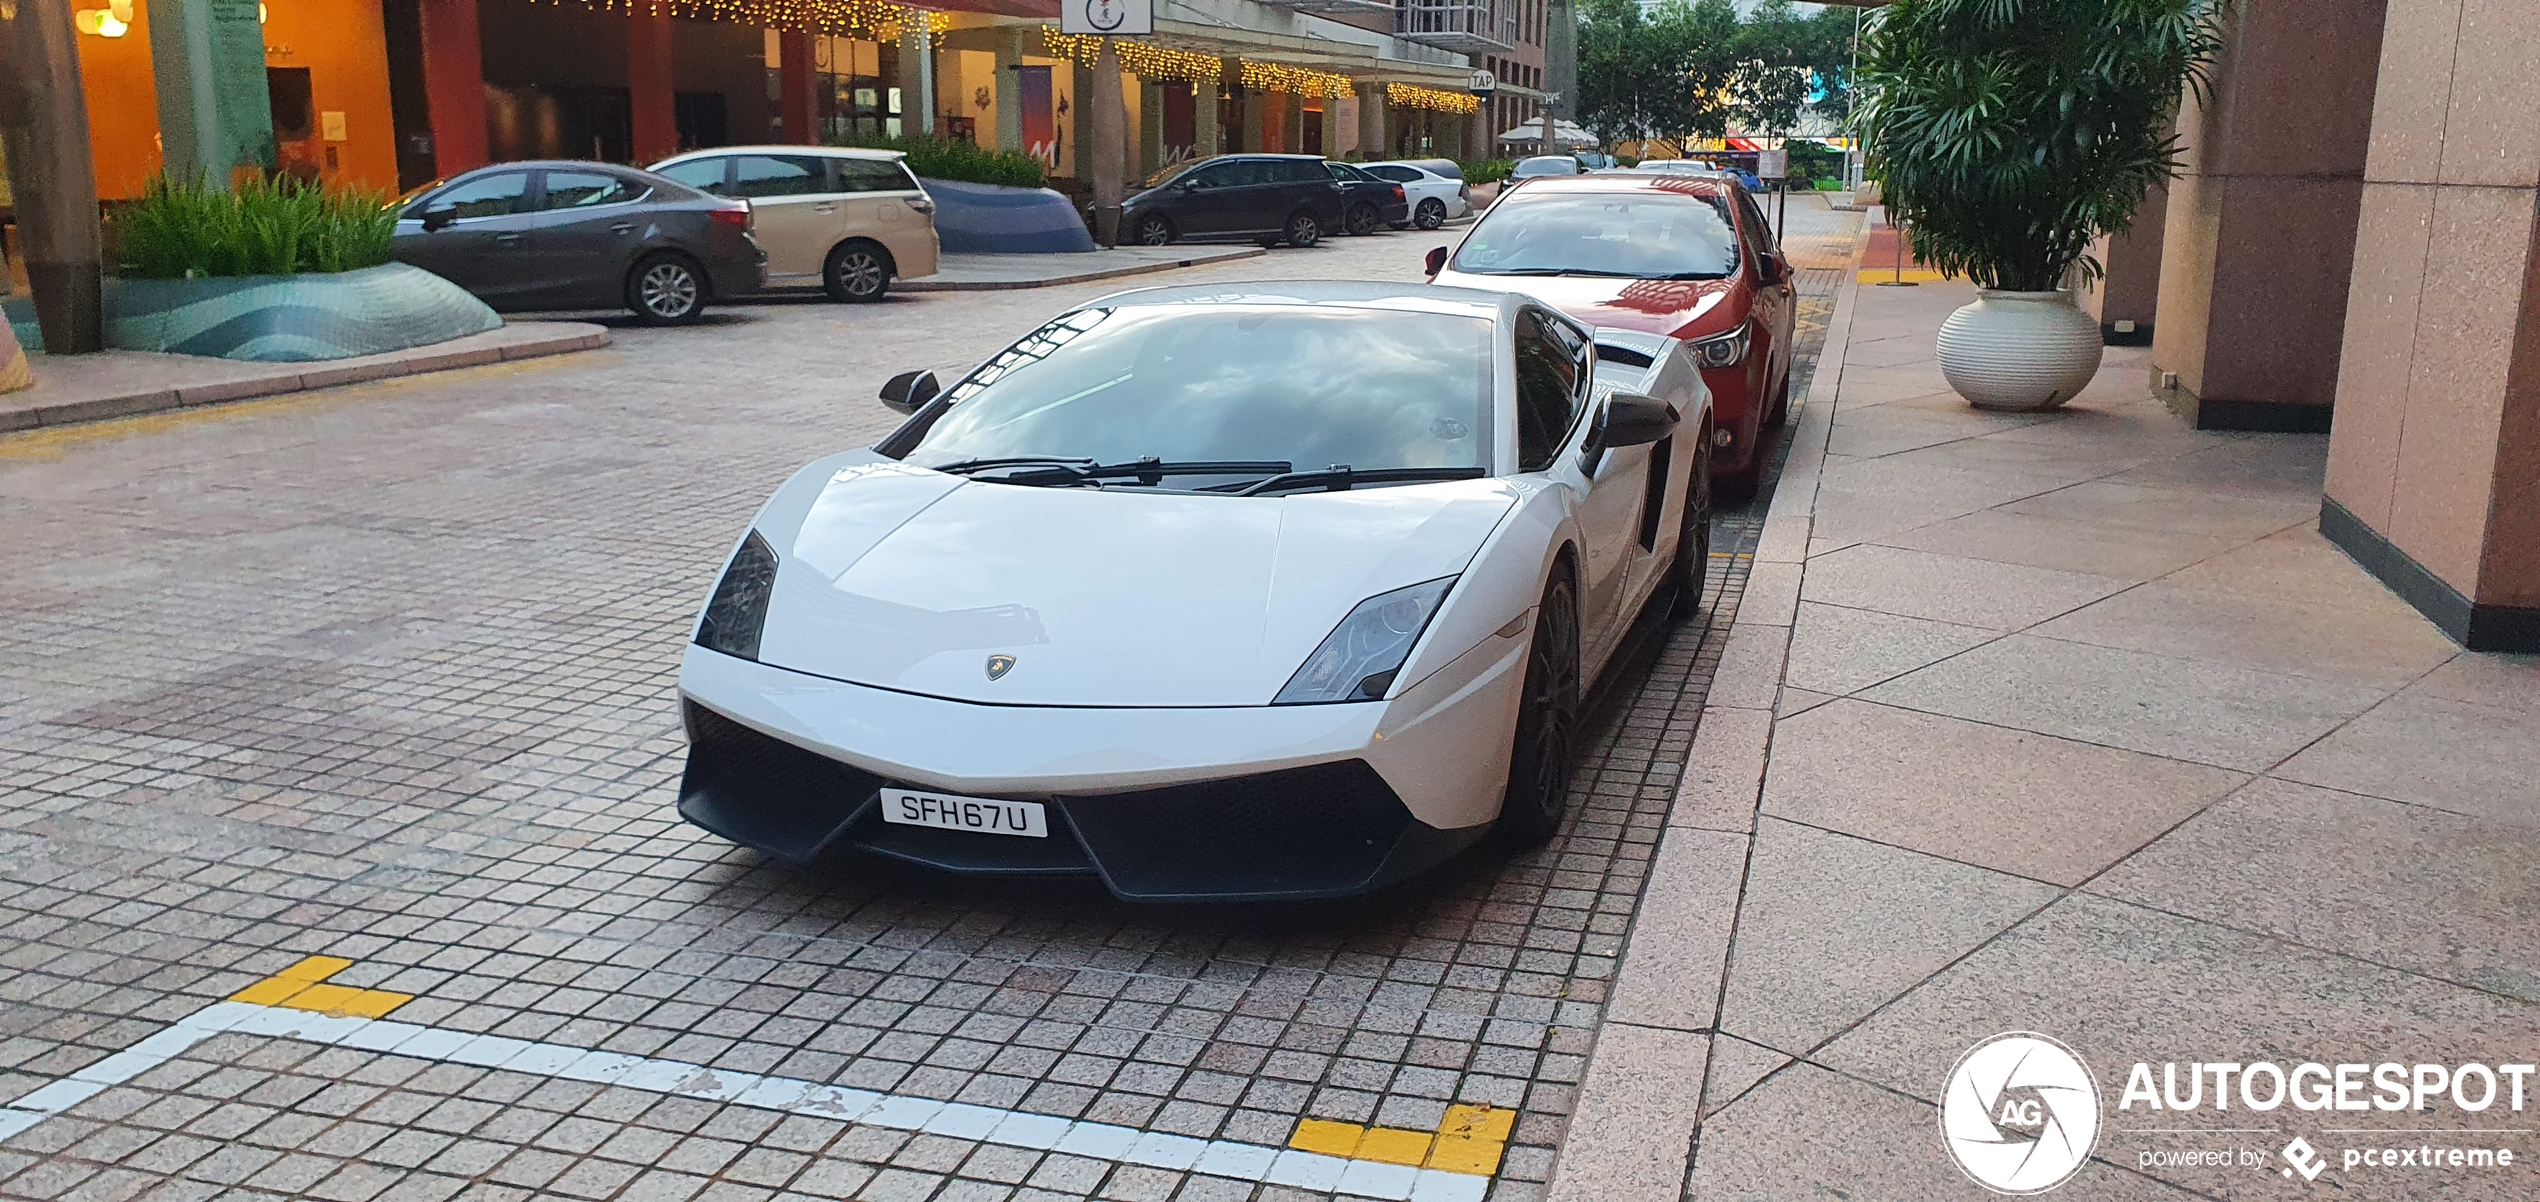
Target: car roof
(826, 152)
(1421, 298)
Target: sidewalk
(984, 273)
(2066, 723)
(83, 388)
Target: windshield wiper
(1622, 275)
(1341, 477)
(1149, 470)
(966, 466)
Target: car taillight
(1397, 192)
(738, 216)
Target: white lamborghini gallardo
(1252, 591)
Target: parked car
(1678, 167)
(846, 220)
(1270, 198)
(1139, 599)
(572, 235)
(1687, 256)
(1368, 203)
(1543, 165)
(1435, 198)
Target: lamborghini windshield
(1312, 387)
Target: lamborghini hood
(909, 579)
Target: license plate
(946, 811)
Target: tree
(1663, 74)
(1772, 76)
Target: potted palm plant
(2011, 133)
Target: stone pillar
(1332, 147)
(1150, 127)
(52, 173)
(797, 75)
(208, 59)
(917, 75)
(453, 85)
(1372, 142)
(1292, 123)
(2434, 456)
(1009, 97)
(1206, 140)
(2260, 230)
(1254, 105)
(1109, 161)
(2129, 290)
(649, 89)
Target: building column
(2434, 456)
(1332, 147)
(453, 85)
(1372, 143)
(797, 76)
(2260, 231)
(208, 58)
(1009, 96)
(1150, 127)
(1110, 159)
(1256, 107)
(917, 59)
(650, 93)
(52, 173)
(1205, 138)
(2129, 288)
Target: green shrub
(964, 162)
(1485, 171)
(185, 228)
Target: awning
(1564, 133)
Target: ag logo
(1106, 15)
(2019, 1113)
(999, 665)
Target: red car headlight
(1722, 350)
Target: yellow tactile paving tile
(1470, 1140)
(302, 987)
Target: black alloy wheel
(1363, 220)
(857, 272)
(1692, 569)
(666, 289)
(1430, 215)
(1153, 231)
(1547, 718)
(1304, 231)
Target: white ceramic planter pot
(2019, 350)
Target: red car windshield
(1642, 234)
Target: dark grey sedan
(569, 235)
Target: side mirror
(909, 391)
(1191, 185)
(1768, 270)
(1629, 419)
(439, 217)
(1437, 261)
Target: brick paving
(387, 673)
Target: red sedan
(1690, 257)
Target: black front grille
(1319, 831)
(763, 792)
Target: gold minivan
(843, 219)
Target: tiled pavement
(385, 673)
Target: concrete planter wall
(989, 219)
(2019, 350)
(286, 318)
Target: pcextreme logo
(2019, 1113)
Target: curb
(566, 338)
(1111, 273)
(1633, 1129)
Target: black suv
(1271, 198)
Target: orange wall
(339, 41)
(123, 107)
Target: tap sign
(1107, 17)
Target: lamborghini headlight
(1358, 662)
(739, 607)
(1722, 350)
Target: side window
(1255, 171)
(870, 175)
(488, 196)
(586, 189)
(1307, 171)
(760, 175)
(1548, 381)
(1757, 232)
(705, 175)
(1399, 175)
(1220, 175)
(1340, 172)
